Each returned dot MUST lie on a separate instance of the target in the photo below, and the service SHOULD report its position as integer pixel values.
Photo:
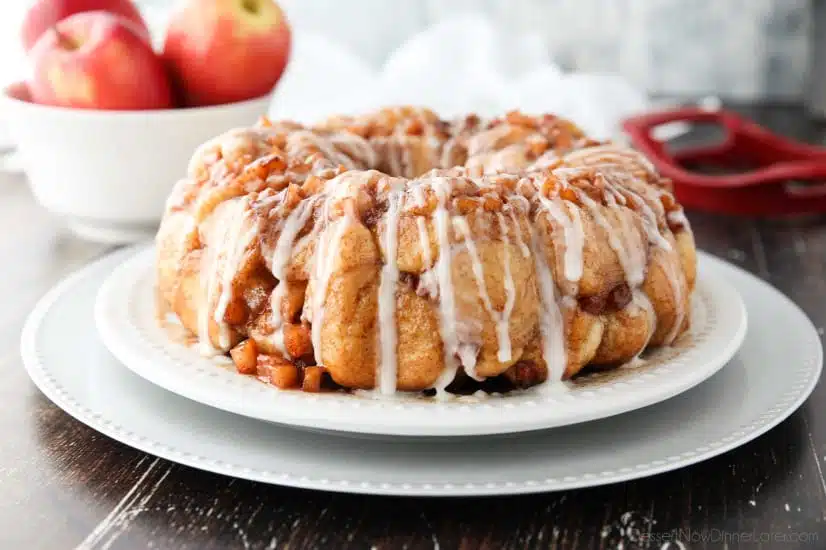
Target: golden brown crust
(296, 241)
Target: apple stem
(64, 41)
(251, 6)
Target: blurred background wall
(740, 49)
(744, 49)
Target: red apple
(96, 60)
(44, 14)
(221, 51)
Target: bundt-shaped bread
(398, 251)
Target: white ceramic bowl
(109, 172)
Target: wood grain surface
(62, 485)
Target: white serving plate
(769, 378)
(128, 325)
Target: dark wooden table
(64, 485)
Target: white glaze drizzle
(649, 221)
(632, 258)
(517, 229)
(447, 153)
(312, 236)
(678, 217)
(357, 146)
(324, 259)
(572, 233)
(503, 323)
(418, 194)
(610, 154)
(468, 354)
(487, 140)
(447, 305)
(546, 160)
(632, 261)
(389, 278)
(507, 159)
(674, 276)
(500, 319)
(235, 241)
(551, 323)
(427, 280)
(291, 227)
(671, 266)
(301, 137)
(232, 263)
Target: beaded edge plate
(128, 324)
(772, 374)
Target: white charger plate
(769, 378)
(128, 325)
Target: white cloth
(463, 64)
